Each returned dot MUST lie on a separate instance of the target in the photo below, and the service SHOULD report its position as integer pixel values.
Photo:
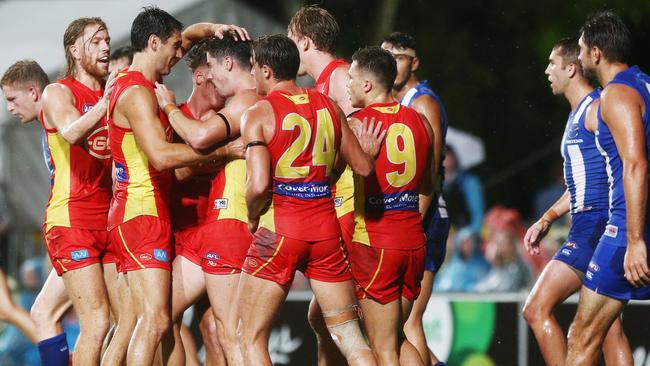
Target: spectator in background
(508, 273)
(464, 195)
(466, 267)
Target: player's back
(387, 202)
(140, 189)
(636, 79)
(303, 149)
(80, 173)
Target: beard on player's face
(92, 65)
(402, 78)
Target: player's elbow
(161, 163)
(634, 167)
(259, 187)
(71, 137)
(365, 169)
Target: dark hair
(196, 56)
(25, 72)
(607, 31)
(279, 53)
(568, 49)
(152, 20)
(240, 51)
(75, 30)
(401, 40)
(121, 52)
(379, 62)
(318, 24)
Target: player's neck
(318, 63)
(288, 86)
(200, 105)
(576, 92)
(379, 97)
(609, 71)
(242, 82)
(145, 66)
(82, 76)
(410, 83)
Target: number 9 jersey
(387, 203)
(303, 149)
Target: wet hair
(379, 63)
(401, 40)
(607, 31)
(75, 30)
(121, 52)
(279, 53)
(152, 21)
(240, 51)
(25, 72)
(318, 24)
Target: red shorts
(347, 227)
(276, 258)
(224, 244)
(385, 275)
(187, 243)
(71, 248)
(142, 242)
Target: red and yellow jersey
(80, 175)
(228, 193)
(387, 202)
(343, 190)
(303, 148)
(140, 190)
(189, 198)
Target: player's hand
(110, 82)
(534, 236)
(636, 264)
(371, 136)
(236, 149)
(239, 33)
(253, 224)
(164, 95)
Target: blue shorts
(585, 232)
(436, 230)
(606, 273)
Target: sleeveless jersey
(411, 95)
(228, 193)
(303, 149)
(584, 167)
(634, 78)
(80, 176)
(387, 203)
(140, 190)
(343, 190)
(189, 198)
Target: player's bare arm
(540, 228)
(59, 112)
(199, 31)
(258, 160)
(338, 91)
(591, 119)
(622, 108)
(138, 106)
(202, 135)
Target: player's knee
(208, 329)
(41, 316)
(343, 325)
(157, 322)
(530, 312)
(315, 318)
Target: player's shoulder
(616, 93)
(247, 97)
(57, 93)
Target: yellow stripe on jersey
(58, 213)
(235, 191)
(140, 199)
(360, 232)
(298, 98)
(344, 200)
(267, 220)
(393, 109)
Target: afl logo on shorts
(97, 143)
(593, 266)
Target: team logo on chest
(97, 143)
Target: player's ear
(228, 63)
(415, 64)
(34, 94)
(267, 72)
(199, 77)
(571, 70)
(595, 54)
(367, 86)
(74, 51)
(305, 43)
(153, 42)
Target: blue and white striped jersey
(640, 82)
(584, 167)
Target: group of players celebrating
(155, 204)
